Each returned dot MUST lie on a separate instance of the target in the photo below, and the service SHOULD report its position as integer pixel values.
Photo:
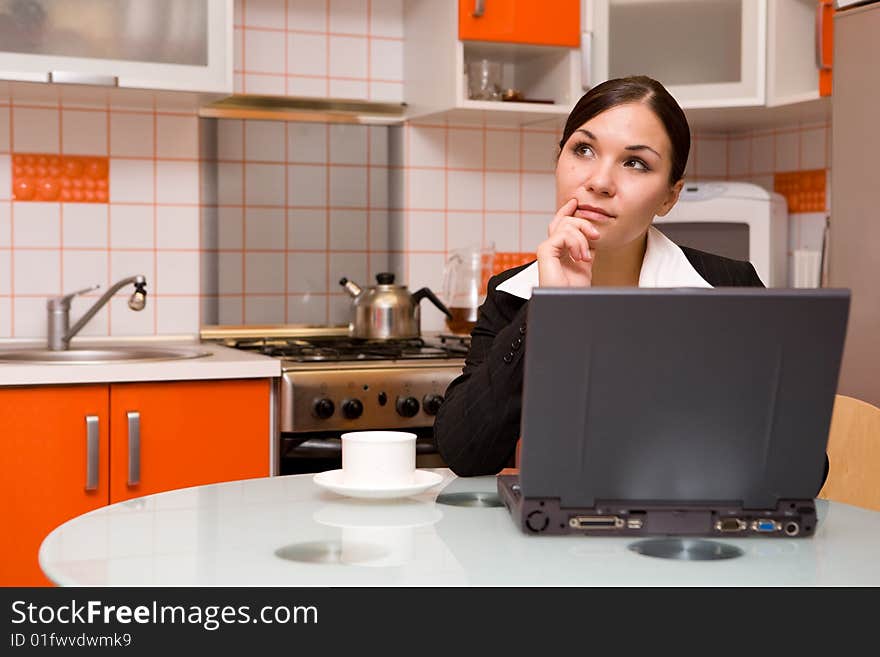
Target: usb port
(596, 522)
(765, 525)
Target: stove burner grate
(334, 349)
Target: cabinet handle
(479, 8)
(134, 448)
(83, 78)
(93, 447)
(586, 51)
(822, 10)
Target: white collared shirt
(664, 265)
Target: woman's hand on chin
(565, 258)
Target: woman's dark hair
(636, 89)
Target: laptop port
(731, 525)
(765, 525)
(595, 522)
(634, 523)
(792, 528)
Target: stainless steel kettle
(387, 311)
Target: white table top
(228, 535)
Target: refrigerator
(854, 233)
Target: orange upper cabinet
(54, 467)
(825, 46)
(556, 23)
(187, 433)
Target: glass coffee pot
(464, 285)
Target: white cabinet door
(708, 53)
(155, 44)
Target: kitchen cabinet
(544, 70)
(177, 44)
(520, 21)
(800, 38)
(71, 449)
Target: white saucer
(332, 480)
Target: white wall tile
(338, 310)
(348, 230)
(464, 149)
(427, 146)
(538, 151)
(125, 321)
(348, 89)
(307, 15)
(386, 92)
(177, 272)
(813, 149)
(37, 271)
(264, 310)
(426, 230)
(379, 225)
(463, 229)
(261, 51)
(378, 187)
(464, 191)
(229, 139)
(35, 130)
(787, 144)
(348, 143)
(307, 272)
(4, 129)
(304, 309)
(306, 185)
(350, 265)
(307, 54)
(264, 228)
(230, 180)
(177, 136)
(762, 154)
(712, 158)
(82, 269)
(177, 227)
(502, 191)
(534, 230)
(5, 272)
(5, 317)
(307, 142)
(426, 270)
(307, 229)
(539, 193)
(348, 186)
(386, 18)
(386, 59)
(378, 139)
(266, 85)
(812, 228)
(84, 133)
(739, 155)
(426, 189)
(177, 182)
(5, 223)
(348, 57)
(348, 16)
(30, 317)
(37, 224)
(230, 222)
(131, 226)
(133, 263)
(264, 273)
(502, 149)
(177, 315)
(131, 134)
(264, 13)
(307, 87)
(229, 269)
(502, 228)
(98, 324)
(84, 225)
(5, 177)
(131, 181)
(264, 140)
(264, 184)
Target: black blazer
(478, 425)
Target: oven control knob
(431, 403)
(407, 406)
(323, 408)
(352, 409)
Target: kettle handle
(418, 295)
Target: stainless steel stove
(332, 384)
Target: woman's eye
(634, 163)
(584, 149)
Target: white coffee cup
(382, 459)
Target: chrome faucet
(60, 331)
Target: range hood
(317, 110)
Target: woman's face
(617, 166)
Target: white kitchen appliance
(736, 220)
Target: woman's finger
(565, 211)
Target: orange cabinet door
(47, 475)
(556, 23)
(825, 44)
(177, 434)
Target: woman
(622, 157)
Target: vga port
(765, 525)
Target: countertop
(222, 363)
(286, 531)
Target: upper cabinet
(521, 21)
(163, 44)
(799, 48)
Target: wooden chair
(854, 454)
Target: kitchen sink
(98, 355)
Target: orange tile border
(66, 178)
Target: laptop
(693, 412)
